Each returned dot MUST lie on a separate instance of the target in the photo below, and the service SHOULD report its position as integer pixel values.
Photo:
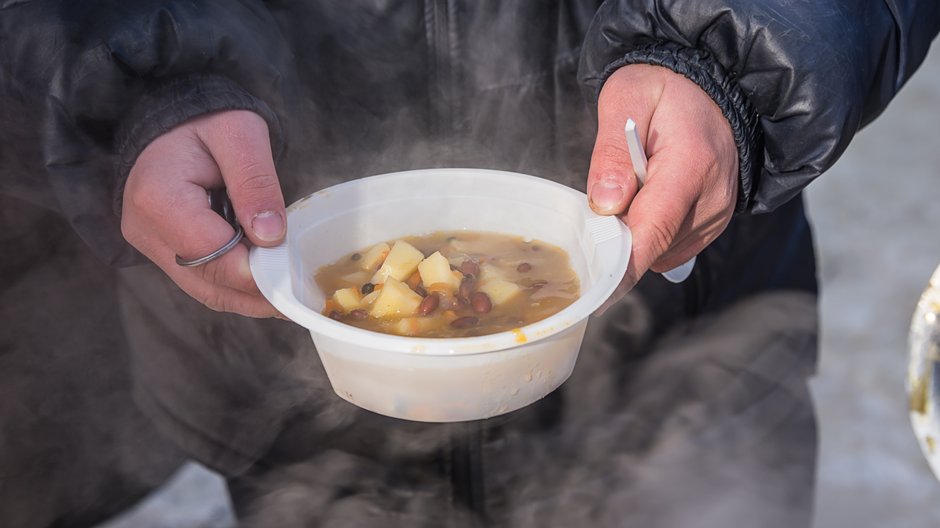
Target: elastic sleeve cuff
(710, 76)
(178, 100)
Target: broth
(449, 284)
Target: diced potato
(369, 299)
(402, 261)
(373, 258)
(411, 326)
(395, 300)
(358, 277)
(474, 246)
(436, 269)
(347, 298)
(440, 288)
(491, 272)
(499, 290)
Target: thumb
(611, 180)
(238, 141)
(612, 183)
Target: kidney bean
(358, 315)
(336, 315)
(480, 302)
(469, 267)
(467, 285)
(537, 285)
(464, 322)
(429, 304)
(524, 267)
(367, 288)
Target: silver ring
(239, 233)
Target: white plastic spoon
(638, 158)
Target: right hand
(166, 210)
(690, 193)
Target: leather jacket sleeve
(85, 86)
(796, 80)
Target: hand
(166, 210)
(691, 185)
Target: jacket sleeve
(85, 86)
(796, 80)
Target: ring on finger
(239, 233)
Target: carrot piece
(439, 287)
(414, 280)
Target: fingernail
(268, 226)
(607, 197)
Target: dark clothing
(360, 87)
(709, 426)
(357, 88)
(74, 447)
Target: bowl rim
(270, 268)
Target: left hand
(166, 212)
(692, 179)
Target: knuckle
(660, 236)
(127, 230)
(729, 193)
(134, 233)
(147, 203)
(610, 153)
(236, 122)
(214, 300)
(257, 179)
(722, 184)
(135, 199)
(211, 272)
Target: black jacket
(356, 88)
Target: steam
(701, 427)
(710, 425)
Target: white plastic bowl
(442, 380)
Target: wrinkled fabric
(815, 72)
(412, 84)
(716, 82)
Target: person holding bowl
(119, 117)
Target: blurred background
(878, 238)
(877, 221)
